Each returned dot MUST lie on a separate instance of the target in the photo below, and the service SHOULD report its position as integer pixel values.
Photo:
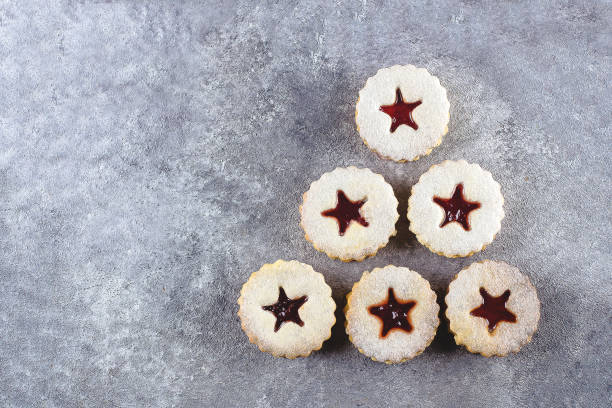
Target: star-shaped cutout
(456, 208)
(393, 314)
(345, 212)
(285, 309)
(401, 112)
(494, 309)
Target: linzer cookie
(492, 308)
(349, 213)
(286, 309)
(391, 314)
(456, 208)
(402, 112)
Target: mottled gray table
(154, 155)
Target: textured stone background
(154, 155)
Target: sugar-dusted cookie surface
(391, 314)
(492, 308)
(286, 309)
(402, 112)
(349, 213)
(456, 208)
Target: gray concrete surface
(154, 155)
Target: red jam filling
(494, 309)
(401, 112)
(456, 208)
(393, 314)
(345, 212)
(285, 309)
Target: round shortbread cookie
(402, 112)
(349, 213)
(391, 314)
(456, 208)
(492, 308)
(286, 309)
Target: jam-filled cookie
(391, 314)
(349, 213)
(286, 309)
(456, 208)
(492, 308)
(402, 112)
